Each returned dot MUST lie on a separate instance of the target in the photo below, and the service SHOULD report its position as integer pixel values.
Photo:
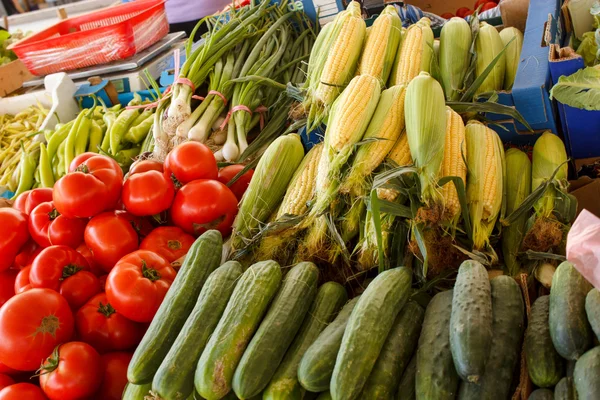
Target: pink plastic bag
(583, 246)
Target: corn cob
(368, 250)
(455, 45)
(386, 125)
(400, 153)
(455, 152)
(267, 188)
(425, 114)
(512, 54)
(381, 45)
(317, 61)
(416, 53)
(488, 45)
(518, 187)
(394, 71)
(548, 154)
(485, 181)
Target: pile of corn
(386, 112)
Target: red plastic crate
(96, 38)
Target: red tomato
(470, 12)
(462, 12)
(80, 159)
(13, 236)
(115, 375)
(102, 280)
(89, 257)
(148, 193)
(93, 187)
(54, 265)
(190, 161)
(32, 324)
(7, 285)
(238, 187)
(5, 381)
(142, 225)
(47, 227)
(7, 370)
(72, 372)
(28, 253)
(30, 199)
(144, 166)
(203, 205)
(22, 281)
(22, 391)
(447, 15)
(79, 288)
(479, 3)
(109, 237)
(137, 285)
(488, 6)
(100, 325)
(170, 242)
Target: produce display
(200, 247)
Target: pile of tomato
(84, 266)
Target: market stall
(373, 202)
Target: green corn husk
(518, 187)
(549, 153)
(488, 45)
(512, 54)
(455, 44)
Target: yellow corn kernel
(400, 153)
(487, 46)
(453, 164)
(381, 45)
(302, 186)
(416, 53)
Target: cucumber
(316, 366)
(174, 379)
(544, 364)
(136, 392)
(202, 259)
(406, 388)
(396, 353)
(570, 330)
(284, 385)
(436, 376)
(471, 321)
(276, 331)
(367, 330)
(325, 396)
(592, 309)
(564, 390)
(541, 394)
(507, 328)
(245, 309)
(587, 375)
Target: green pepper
(45, 168)
(57, 138)
(27, 166)
(142, 117)
(109, 119)
(120, 127)
(138, 133)
(126, 157)
(96, 135)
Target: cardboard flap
(514, 13)
(587, 195)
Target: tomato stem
(174, 244)
(69, 270)
(50, 364)
(106, 309)
(53, 214)
(176, 182)
(83, 168)
(150, 273)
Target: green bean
(96, 135)
(119, 128)
(45, 168)
(138, 133)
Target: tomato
(103, 327)
(94, 186)
(115, 375)
(170, 242)
(7, 370)
(102, 280)
(7, 285)
(470, 12)
(80, 159)
(28, 253)
(5, 381)
(72, 372)
(109, 237)
(462, 12)
(142, 225)
(47, 227)
(137, 285)
(479, 3)
(238, 187)
(89, 257)
(22, 281)
(447, 15)
(203, 205)
(190, 161)
(32, 324)
(488, 6)
(22, 391)
(13, 236)
(144, 166)
(30, 199)
(147, 193)
(79, 288)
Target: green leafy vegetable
(580, 90)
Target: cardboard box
(12, 76)
(587, 192)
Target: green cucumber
(436, 376)
(564, 390)
(570, 330)
(592, 309)
(396, 353)
(544, 364)
(541, 394)
(325, 396)
(406, 388)
(276, 331)
(241, 318)
(136, 392)
(202, 259)
(367, 330)
(316, 366)
(471, 321)
(508, 325)
(587, 375)
(174, 379)
(284, 385)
